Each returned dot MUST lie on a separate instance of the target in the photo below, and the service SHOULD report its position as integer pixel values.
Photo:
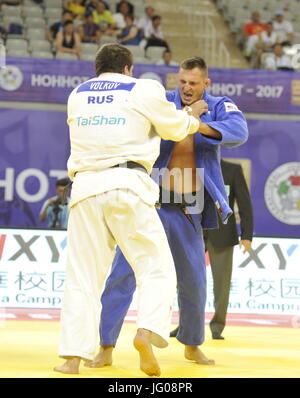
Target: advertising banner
(34, 148)
(273, 151)
(264, 281)
(51, 81)
(32, 268)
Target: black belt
(132, 165)
(179, 200)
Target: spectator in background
(266, 39)
(104, 18)
(76, 8)
(154, 35)
(146, 20)
(264, 43)
(130, 35)
(167, 59)
(68, 41)
(89, 32)
(53, 209)
(278, 60)
(90, 5)
(254, 27)
(51, 32)
(131, 6)
(120, 16)
(283, 28)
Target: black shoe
(174, 332)
(217, 336)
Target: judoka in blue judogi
(183, 226)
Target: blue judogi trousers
(186, 242)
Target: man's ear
(128, 71)
(207, 82)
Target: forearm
(49, 35)
(206, 130)
(42, 217)
(43, 214)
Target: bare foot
(193, 353)
(103, 358)
(148, 362)
(71, 366)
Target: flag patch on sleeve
(229, 107)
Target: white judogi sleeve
(169, 123)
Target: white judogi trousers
(96, 225)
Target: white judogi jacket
(115, 118)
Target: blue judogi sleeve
(228, 120)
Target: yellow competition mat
(28, 349)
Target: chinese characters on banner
(32, 268)
(32, 273)
(266, 280)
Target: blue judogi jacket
(232, 125)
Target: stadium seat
(219, 4)
(230, 8)
(87, 57)
(139, 9)
(29, 3)
(40, 45)
(11, 19)
(142, 60)
(112, 5)
(297, 37)
(296, 20)
(11, 11)
(266, 15)
(35, 33)
(16, 44)
(53, 4)
(254, 5)
(238, 24)
(108, 39)
(41, 54)
(284, 5)
(274, 5)
(66, 56)
(137, 51)
(293, 6)
(155, 53)
(35, 22)
(12, 52)
(236, 18)
(33, 12)
(53, 13)
(89, 48)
